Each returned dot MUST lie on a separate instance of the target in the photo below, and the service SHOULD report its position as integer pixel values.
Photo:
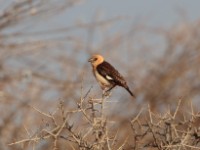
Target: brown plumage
(107, 76)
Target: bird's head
(95, 60)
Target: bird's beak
(90, 60)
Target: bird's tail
(127, 88)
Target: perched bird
(107, 76)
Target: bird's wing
(110, 73)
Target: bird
(106, 75)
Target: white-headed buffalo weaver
(107, 76)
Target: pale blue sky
(157, 12)
(153, 12)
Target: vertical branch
(102, 107)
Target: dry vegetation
(49, 99)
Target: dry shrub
(88, 127)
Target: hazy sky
(153, 12)
(157, 12)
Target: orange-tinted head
(95, 60)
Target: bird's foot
(106, 94)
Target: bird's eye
(95, 59)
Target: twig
(136, 118)
(121, 147)
(150, 116)
(177, 108)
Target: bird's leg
(110, 88)
(106, 92)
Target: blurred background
(45, 45)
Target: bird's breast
(101, 79)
